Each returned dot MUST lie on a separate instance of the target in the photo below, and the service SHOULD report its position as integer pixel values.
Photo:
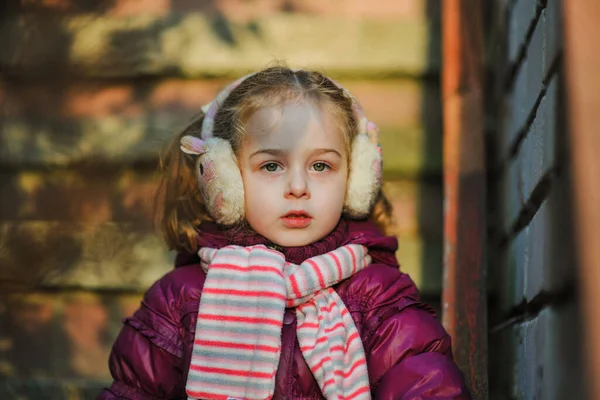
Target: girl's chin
(295, 237)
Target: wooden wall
(90, 90)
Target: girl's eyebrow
(273, 152)
(318, 152)
(280, 152)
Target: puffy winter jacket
(408, 351)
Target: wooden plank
(464, 296)
(86, 195)
(90, 255)
(195, 44)
(409, 151)
(417, 213)
(127, 195)
(60, 338)
(387, 102)
(421, 258)
(417, 207)
(125, 256)
(46, 125)
(583, 88)
(236, 10)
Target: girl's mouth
(296, 219)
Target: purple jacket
(408, 351)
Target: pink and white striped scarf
(238, 334)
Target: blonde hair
(179, 204)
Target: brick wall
(534, 315)
(88, 93)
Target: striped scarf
(238, 334)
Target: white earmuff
(364, 179)
(221, 182)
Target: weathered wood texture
(56, 345)
(237, 10)
(532, 257)
(583, 86)
(96, 233)
(199, 45)
(85, 153)
(65, 124)
(464, 291)
(90, 90)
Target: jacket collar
(382, 248)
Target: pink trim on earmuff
(210, 110)
(192, 145)
(365, 126)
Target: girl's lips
(296, 219)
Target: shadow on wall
(43, 49)
(432, 179)
(71, 360)
(105, 133)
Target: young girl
(284, 287)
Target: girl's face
(294, 167)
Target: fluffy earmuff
(220, 179)
(364, 179)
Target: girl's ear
(364, 179)
(221, 182)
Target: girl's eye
(320, 166)
(270, 167)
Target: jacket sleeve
(408, 352)
(146, 361)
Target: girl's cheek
(264, 176)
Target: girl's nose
(298, 185)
